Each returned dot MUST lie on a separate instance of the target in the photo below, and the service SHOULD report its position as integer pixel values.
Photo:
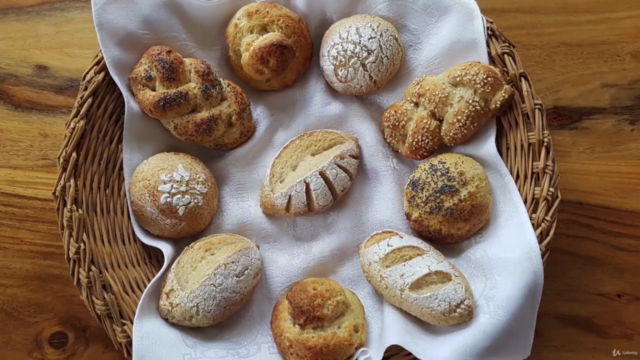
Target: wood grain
(584, 59)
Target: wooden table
(583, 57)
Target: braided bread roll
(269, 45)
(446, 109)
(190, 100)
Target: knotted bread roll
(269, 45)
(446, 109)
(318, 319)
(190, 100)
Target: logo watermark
(617, 352)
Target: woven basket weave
(111, 267)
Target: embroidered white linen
(502, 261)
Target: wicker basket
(111, 267)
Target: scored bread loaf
(318, 319)
(416, 278)
(310, 173)
(210, 280)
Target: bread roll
(360, 54)
(310, 173)
(269, 45)
(447, 198)
(173, 195)
(318, 319)
(212, 278)
(445, 110)
(417, 278)
(190, 100)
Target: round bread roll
(212, 278)
(447, 198)
(269, 45)
(318, 319)
(360, 54)
(173, 195)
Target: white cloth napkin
(502, 261)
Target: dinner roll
(360, 54)
(212, 279)
(269, 45)
(447, 198)
(173, 195)
(318, 319)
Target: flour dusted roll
(212, 279)
(417, 278)
(318, 319)
(360, 54)
(310, 173)
(173, 195)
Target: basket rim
(111, 287)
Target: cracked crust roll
(415, 277)
(318, 319)
(211, 280)
(360, 54)
(310, 173)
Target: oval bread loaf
(310, 173)
(210, 280)
(417, 278)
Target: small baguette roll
(212, 278)
(310, 173)
(417, 278)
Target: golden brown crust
(445, 110)
(269, 45)
(318, 319)
(166, 218)
(190, 100)
(448, 198)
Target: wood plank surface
(584, 60)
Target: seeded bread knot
(190, 100)
(445, 110)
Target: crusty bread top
(416, 277)
(190, 100)
(445, 110)
(360, 54)
(173, 195)
(310, 173)
(318, 319)
(210, 280)
(269, 45)
(448, 198)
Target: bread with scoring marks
(417, 278)
(318, 319)
(310, 173)
(210, 280)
